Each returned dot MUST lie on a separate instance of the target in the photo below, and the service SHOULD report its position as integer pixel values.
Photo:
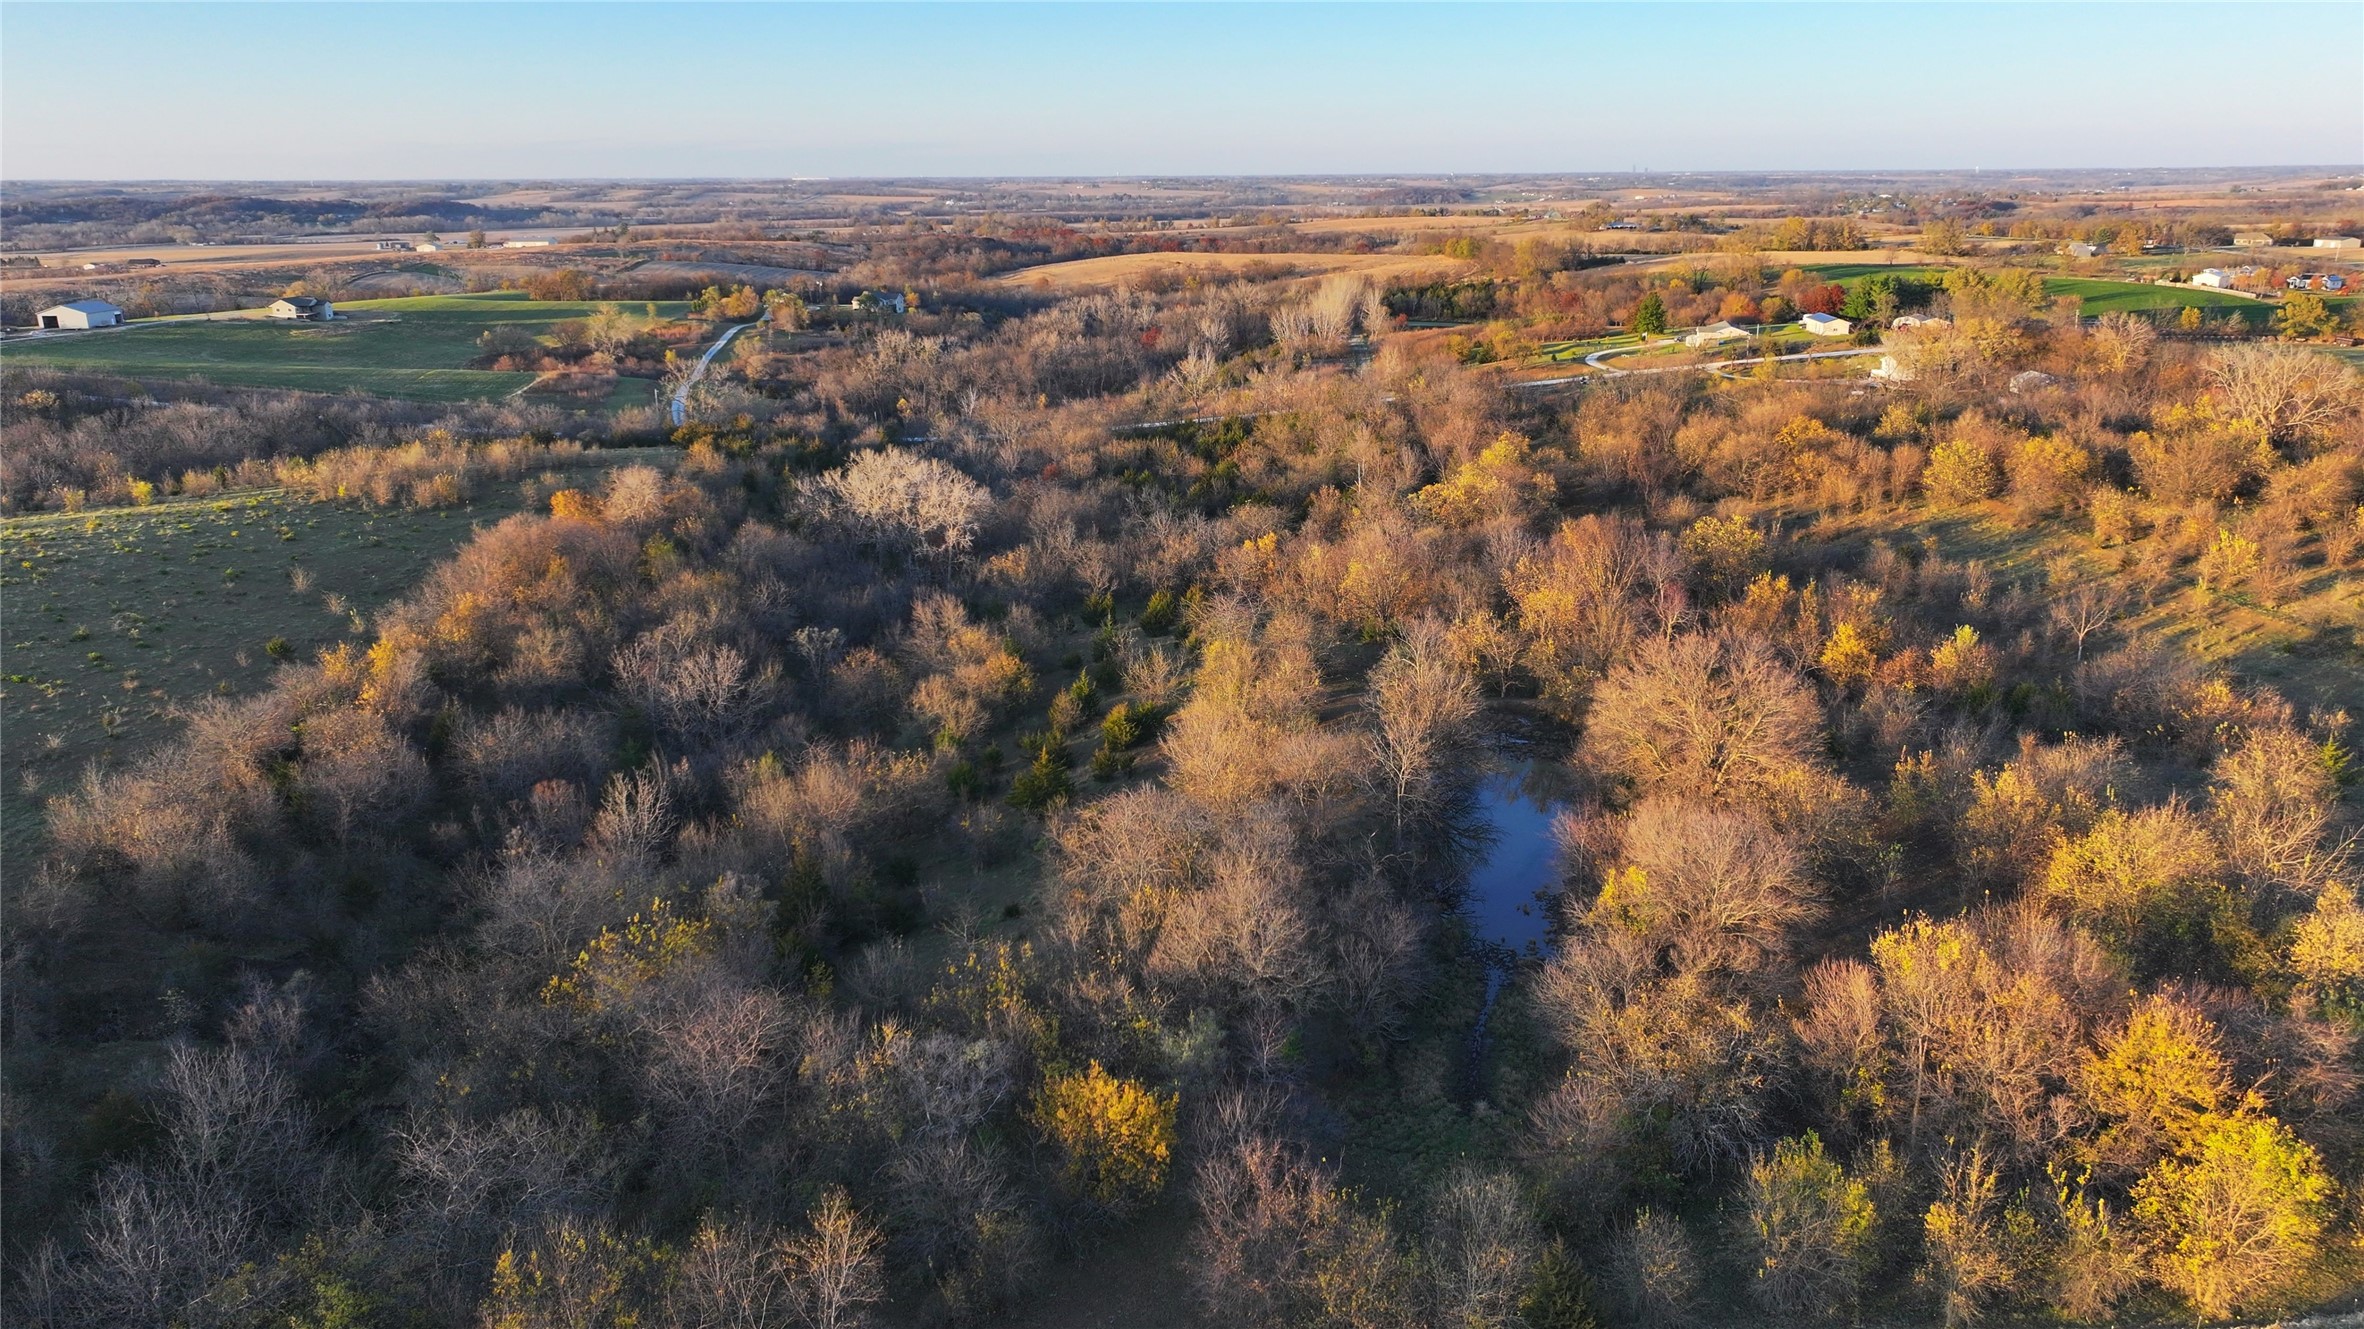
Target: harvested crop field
(1119, 269)
(752, 274)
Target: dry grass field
(1118, 269)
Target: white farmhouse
(82, 314)
(1716, 334)
(1826, 325)
(2216, 277)
(303, 306)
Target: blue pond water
(1510, 897)
(1508, 903)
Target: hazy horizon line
(1642, 173)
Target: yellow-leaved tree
(2155, 1085)
(1117, 1134)
(2232, 1215)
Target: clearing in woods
(117, 617)
(417, 348)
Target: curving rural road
(1594, 362)
(681, 394)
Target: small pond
(1511, 888)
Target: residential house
(1716, 334)
(2080, 249)
(303, 306)
(2252, 240)
(1925, 322)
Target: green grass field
(416, 348)
(1582, 347)
(1844, 273)
(114, 618)
(2103, 297)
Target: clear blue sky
(371, 91)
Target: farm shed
(303, 306)
(2216, 277)
(2253, 240)
(2080, 249)
(2338, 242)
(1826, 325)
(82, 314)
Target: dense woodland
(935, 830)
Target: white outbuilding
(2216, 277)
(1826, 325)
(303, 306)
(2338, 242)
(82, 314)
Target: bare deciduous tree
(2286, 390)
(1704, 716)
(1422, 704)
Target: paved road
(681, 394)
(1715, 366)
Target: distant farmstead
(1826, 325)
(82, 314)
(303, 306)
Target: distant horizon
(691, 91)
(2292, 168)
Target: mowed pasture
(117, 618)
(1132, 269)
(417, 348)
(2131, 297)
